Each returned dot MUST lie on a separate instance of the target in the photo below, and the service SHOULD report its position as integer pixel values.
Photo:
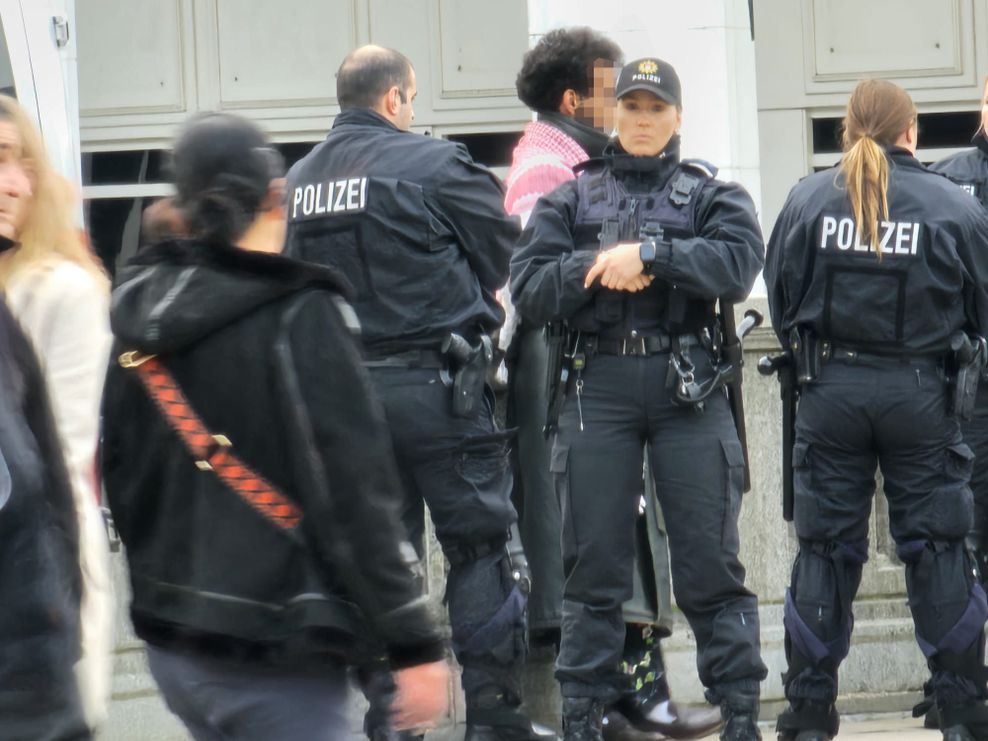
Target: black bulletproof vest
(608, 213)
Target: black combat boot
(964, 721)
(740, 721)
(957, 733)
(928, 707)
(808, 736)
(583, 719)
(808, 720)
(495, 715)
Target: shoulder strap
(689, 178)
(707, 169)
(211, 452)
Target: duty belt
(830, 352)
(635, 344)
(406, 359)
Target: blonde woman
(60, 296)
(874, 267)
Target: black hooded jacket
(931, 280)
(261, 347)
(415, 225)
(40, 582)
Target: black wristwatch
(646, 253)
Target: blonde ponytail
(878, 113)
(866, 176)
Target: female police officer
(640, 315)
(873, 267)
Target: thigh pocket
(483, 459)
(559, 468)
(804, 502)
(733, 486)
(952, 503)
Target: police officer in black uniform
(420, 232)
(632, 256)
(969, 169)
(874, 268)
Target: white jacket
(65, 312)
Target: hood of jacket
(173, 294)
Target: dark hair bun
(223, 166)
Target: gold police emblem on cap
(648, 67)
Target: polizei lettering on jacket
(897, 238)
(316, 200)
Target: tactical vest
(607, 214)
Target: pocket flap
(733, 453)
(800, 454)
(489, 443)
(559, 459)
(962, 451)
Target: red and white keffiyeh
(544, 159)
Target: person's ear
(570, 102)
(393, 101)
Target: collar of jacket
(620, 161)
(363, 117)
(274, 267)
(590, 139)
(902, 157)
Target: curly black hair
(562, 60)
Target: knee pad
(488, 612)
(948, 604)
(817, 613)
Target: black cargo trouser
(460, 468)
(538, 507)
(975, 433)
(892, 413)
(624, 408)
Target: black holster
(558, 366)
(469, 365)
(968, 360)
(807, 355)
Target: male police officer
(419, 231)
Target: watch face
(647, 251)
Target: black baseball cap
(222, 151)
(652, 75)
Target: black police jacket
(416, 227)
(40, 582)
(260, 346)
(969, 168)
(716, 251)
(931, 281)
